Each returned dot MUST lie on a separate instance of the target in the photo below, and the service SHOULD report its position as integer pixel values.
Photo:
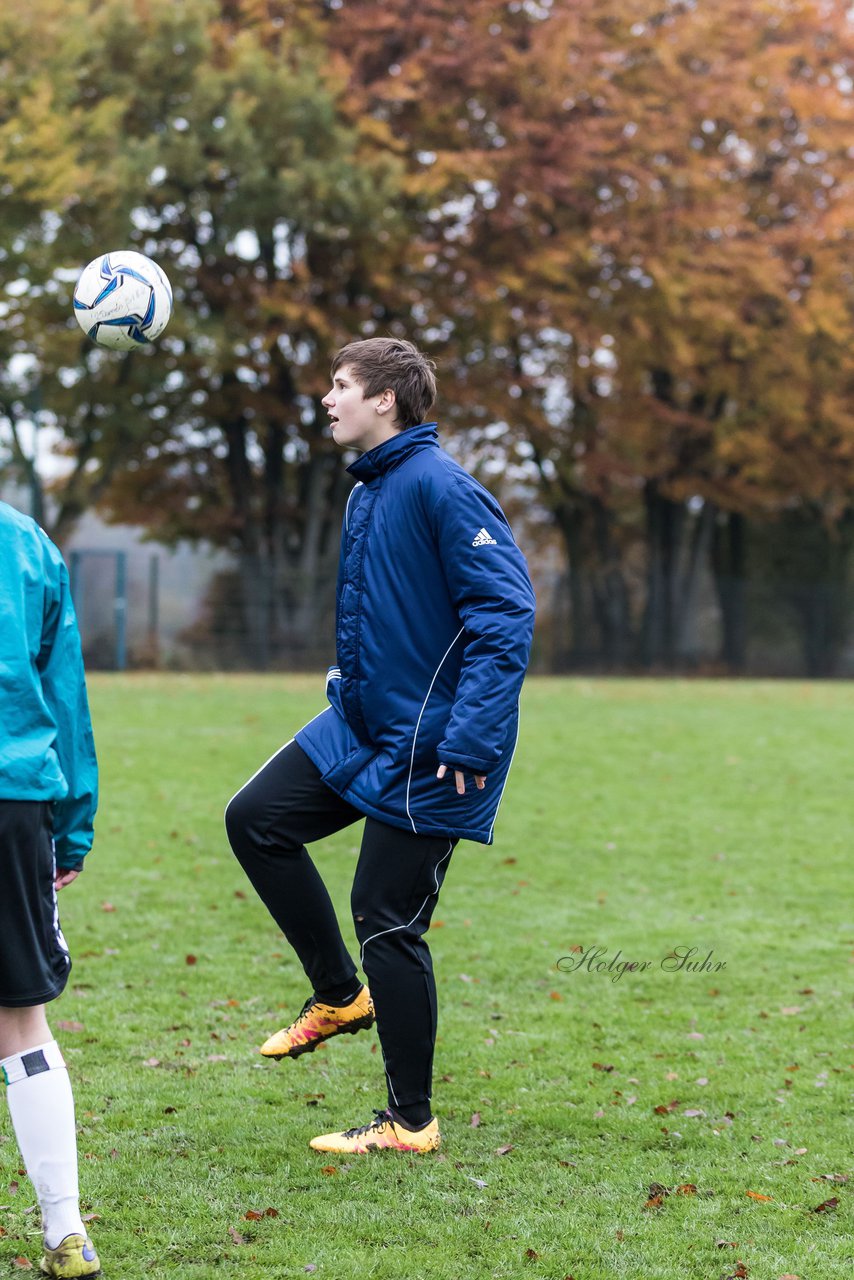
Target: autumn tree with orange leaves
(619, 227)
(654, 274)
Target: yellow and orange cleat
(318, 1022)
(382, 1134)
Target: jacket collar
(388, 455)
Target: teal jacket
(47, 752)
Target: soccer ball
(123, 300)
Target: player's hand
(460, 779)
(62, 878)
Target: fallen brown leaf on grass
(531, 1255)
(757, 1195)
(657, 1192)
(827, 1205)
(329, 1170)
(503, 1151)
(23, 1264)
(236, 1236)
(475, 1120)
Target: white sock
(42, 1110)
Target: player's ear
(386, 401)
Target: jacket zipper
(357, 674)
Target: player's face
(358, 422)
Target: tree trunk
(311, 571)
(571, 526)
(610, 595)
(821, 595)
(255, 569)
(729, 561)
(664, 522)
(689, 580)
(257, 594)
(26, 464)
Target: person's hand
(64, 877)
(460, 779)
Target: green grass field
(640, 817)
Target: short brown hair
(382, 363)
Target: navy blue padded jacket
(434, 621)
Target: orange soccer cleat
(318, 1022)
(382, 1134)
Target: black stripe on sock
(34, 1063)
(339, 997)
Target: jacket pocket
(342, 773)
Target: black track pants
(282, 808)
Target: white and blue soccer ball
(123, 300)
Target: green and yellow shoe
(318, 1022)
(73, 1257)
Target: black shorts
(34, 959)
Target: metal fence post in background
(86, 604)
(154, 607)
(121, 610)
